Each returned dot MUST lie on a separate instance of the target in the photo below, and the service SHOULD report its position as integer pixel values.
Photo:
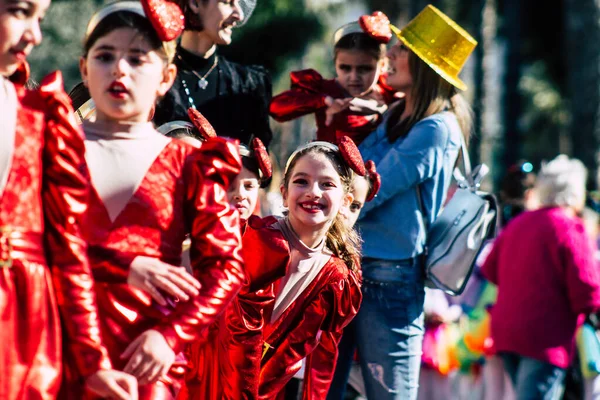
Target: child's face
(218, 18)
(19, 31)
(125, 76)
(243, 193)
(315, 194)
(360, 190)
(356, 71)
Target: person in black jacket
(234, 98)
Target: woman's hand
(152, 275)
(335, 106)
(150, 357)
(113, 385)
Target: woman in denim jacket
(416, 146)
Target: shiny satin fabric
(212, 374)
(184, 191)
(44, 263)
(307, 96)
(258, 357)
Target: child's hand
(335, 106)
(150, 357)
(152, 275)
(113, 385)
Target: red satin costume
(43, 263)
(184, 191)
(307, 96)
(256, 357)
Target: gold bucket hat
(440, 42)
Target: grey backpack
(460, 230)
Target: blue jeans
(389, 328)
(534, 379)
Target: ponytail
(344, 242)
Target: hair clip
(166, 18)
(377, 25)
(351, 155)
(262, 157)
(374, 180)
(204, 127)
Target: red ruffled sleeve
(267, 257)
(215, 252)
(305, 96)
(334, 307)
(320, 364)
(65, 194)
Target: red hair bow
(204, 127)
(374, 180)
(351, 155)
(166, 18)
(376, 25)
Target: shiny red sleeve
(215, 252)
(243, 344)
(320, 366)
(304, 97)
(330, 312)
(65, 194)
(266, 254)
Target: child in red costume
(352, 103)
(303, 282)
(206, 355)
(149, 192)
(43, 195)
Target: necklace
(202, 82)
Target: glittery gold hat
(440, 42)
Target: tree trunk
(582, 49)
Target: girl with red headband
(149, 192)
(43, 261)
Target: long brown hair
(342, 240)
(430, 94)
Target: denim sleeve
(410, 160)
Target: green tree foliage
(278, 31)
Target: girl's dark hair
(360, 42)
(123, 19)
(193, 22)
(431, 94)
(344, 242)
(79, 95)
(250, 162)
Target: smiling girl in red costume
(43, 262)
(352, 103)
(149, 191)
(303, 280)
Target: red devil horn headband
(204, 127)
(262, 157)
(346, 148)
(377, 25)
(166, 17)
(374, 180)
